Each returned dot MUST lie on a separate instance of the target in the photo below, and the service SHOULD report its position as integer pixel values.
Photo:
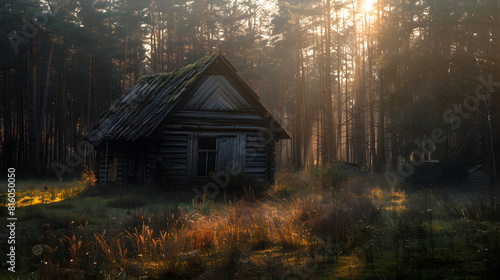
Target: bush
(343, 219)
(331, 176)
(88, 177)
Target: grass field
(302, 227)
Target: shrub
(331, 176)
(285, 178)
(88, 177)
(343, 219)
(281, 190)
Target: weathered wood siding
(270, 161)
(216, 93)
(103, 173)
(231, 153)
(151, 162)
(478, 178)
(215, 108)
(144, 165)
(102, 167)
(259, 164)
(174, 157)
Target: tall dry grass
(190, 245)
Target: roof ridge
(123, 118)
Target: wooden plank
(173, 156)
(176, 180)
(252, 154)
(218, 102)
(256, 138)
(258, 145)
(217, 127)
(174, 151)
(173, 166)
(255, 164)
(215, 123)
(177, 161)
(216, 90)
(203, 86)
(261, 170)
(237, 116)
(241, 150)
(256, 159)
(173, 138)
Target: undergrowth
(359, 232)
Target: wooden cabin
(181, 128)
(477, 176)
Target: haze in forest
(383, 84)
(366, 137)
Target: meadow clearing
(314, 224)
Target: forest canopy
(381, 83)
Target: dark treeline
(378, 83)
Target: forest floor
(299, 228)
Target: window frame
(207, 152)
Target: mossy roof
(143, 108)
(138, 112)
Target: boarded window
(227, 150)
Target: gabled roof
(143, 108)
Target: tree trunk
(35, 130)
(329, 145)
(380, 166)
(7, 148)
(124, 87)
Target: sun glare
(368, 5)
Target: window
(207, 152)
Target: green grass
(418, 234)
(129, 201)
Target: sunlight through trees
(355, 81)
